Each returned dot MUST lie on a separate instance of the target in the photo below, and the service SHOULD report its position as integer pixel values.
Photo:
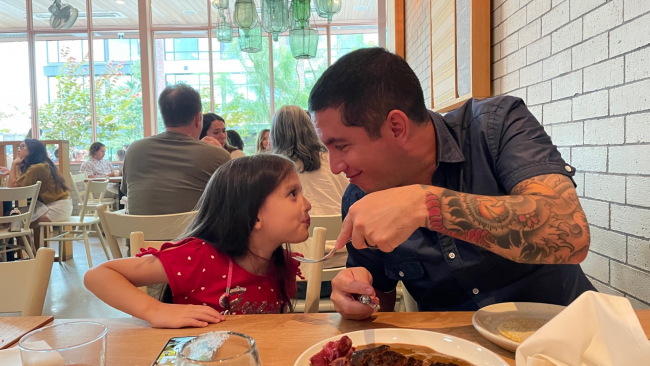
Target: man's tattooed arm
(540, 222)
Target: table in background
(282, 338)
(14, 327)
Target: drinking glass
(75, 343)
(221, 348)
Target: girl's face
(218, 131)
(265, 140)
(23, 151)
(99, 155)
(284, 216)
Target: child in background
(231, 260)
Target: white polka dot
(192, 291)
(189, 258)
(259, 287)
(185, 297)
(203, 243)
(202, 288)
(204, 304)
(212, 256)
(203, 269)
(179, 273)
(271, 290)
(224, 276)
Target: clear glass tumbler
(71, 344)
(219, 348)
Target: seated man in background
(167, 173)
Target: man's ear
(397, 127)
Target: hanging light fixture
(302, 12)
(329, 7)
(224, 27)
(245, 14)
(220, 4)
(303, 41)
(275, 17)
(250, 40)
(319, 9)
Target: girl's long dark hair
(208, 118)
(228, 209)
(37, 155)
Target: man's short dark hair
(179, 104)
(367, 84)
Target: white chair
(82, 223)
(25, 284)
(322, 229)
(17, 194)
(155, 227)
(81, 178)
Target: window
(346, 39)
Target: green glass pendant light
(302, 12)
(303, 41)
(329, 7)
(275, 17)
(245, 14)
(224, 27)
(220, 4)
(250, 40)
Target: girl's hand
(179, 316)
(18, 162)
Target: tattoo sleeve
(540, 222)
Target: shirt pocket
(404, 271)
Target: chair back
(93, 189)
(25, 283)
(75, 180)
(17, 194)
(154, 227)
(332, 223)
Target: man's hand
(349, 282)
(4, 170)
(211, 141)
(179, 316)
(384, 219)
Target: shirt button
(401, 274)
(475, 291)
(567, 168)
(452, 255)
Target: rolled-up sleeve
(521, 147)
(369, 259)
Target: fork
(327, 256)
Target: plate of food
(397, 347)
(508, 324)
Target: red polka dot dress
(198, 274)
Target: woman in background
(235, 140)
(263, 144)
(96, 166)
(33, 165)
(215, 126)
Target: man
(167, 173)
(468, 209)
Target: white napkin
(595, 330)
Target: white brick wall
(583, 68)
(587, 74)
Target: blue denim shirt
(485, 147)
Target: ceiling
(165, 13)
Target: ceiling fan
(63, 15)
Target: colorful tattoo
(540, 222)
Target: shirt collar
(447, 148)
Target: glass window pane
(345, 39)
(42, 16)
(242, 89)
(293, 79)
(98, 49)
(118, 93)
(15, 107)
(179, 13)
(177, 61)
(64, 106)
(12, 15)
(113, 14)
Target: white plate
(487, 319)
(450, 345)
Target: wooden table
(282, 338)
(13, 328)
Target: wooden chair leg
(87, 244)
(28, 247)
(102, 241)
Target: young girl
(232, 260)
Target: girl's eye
(293, 193)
